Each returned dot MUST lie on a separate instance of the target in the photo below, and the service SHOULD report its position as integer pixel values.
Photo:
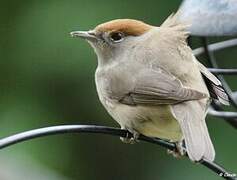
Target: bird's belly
(153, 121)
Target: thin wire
(63, 129)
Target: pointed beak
(88, 35)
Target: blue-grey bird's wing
(155, 87)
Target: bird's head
(114, 37)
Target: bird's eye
(116, 36)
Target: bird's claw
(130, 140)
(179, 151)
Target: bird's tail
(191, 117)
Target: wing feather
(214, 85)
(159, 87)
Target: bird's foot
(130, 140)
(179, 151)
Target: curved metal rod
(218, 71)
(232, 121)
(63, 129)
(216, 46)
(222, 114)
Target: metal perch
(63, 129)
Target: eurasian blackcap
(150, 82)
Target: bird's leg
(179, 151)
(130, 140)
(180, 146)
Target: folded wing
(155, 87)
(214, 85)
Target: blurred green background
(47, 78)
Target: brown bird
(150, 82)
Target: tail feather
(191, 117)
(209, 151)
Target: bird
(149, 81)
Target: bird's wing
(155, 87)
(214, 85)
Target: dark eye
(116, 36)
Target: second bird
(150, 82)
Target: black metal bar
(218, 170)
(63, 129)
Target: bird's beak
(88, 35)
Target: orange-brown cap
(127, 26)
